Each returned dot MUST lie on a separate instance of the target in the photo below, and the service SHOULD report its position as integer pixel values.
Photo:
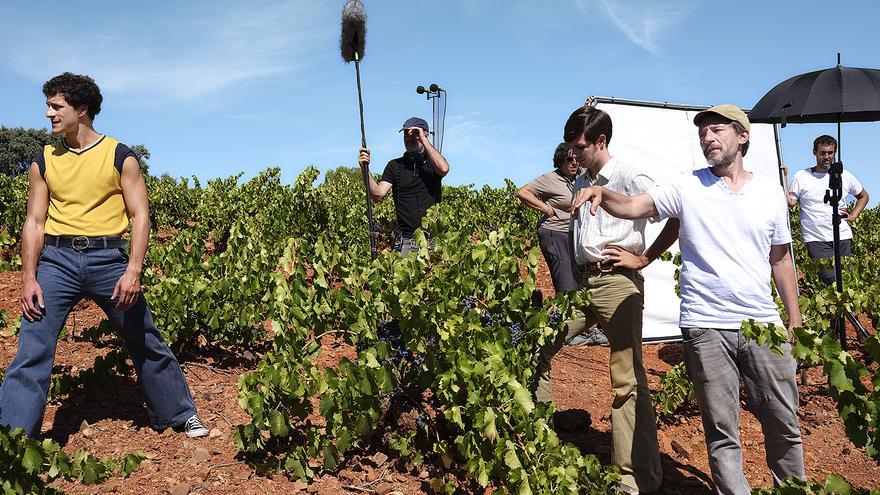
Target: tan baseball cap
(726, 110)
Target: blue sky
(214, 88)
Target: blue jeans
(715, 360)
(66, 276)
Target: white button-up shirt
(592, 234)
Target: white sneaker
(194, 428)
(625, 489)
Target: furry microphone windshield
(354, 31)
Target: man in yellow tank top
(83, 192)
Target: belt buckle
(79, 243)
(602, 270)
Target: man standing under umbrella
(414, 179)
(808, 189)
(734, 237)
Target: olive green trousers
(616, 304)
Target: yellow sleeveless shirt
(85, 188)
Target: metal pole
(783, 180)
(835, 223)
(365, 170)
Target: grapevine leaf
(490, 431)
(278, 424)
(838, 379)
(522, 396)
(837, 485)
(32, 460)
(510, 457)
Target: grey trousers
(558, 251)
(715, 359)
(405, 245)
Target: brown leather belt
(599, 268)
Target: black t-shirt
(415, 187)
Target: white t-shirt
(808, 188)
(725, 240)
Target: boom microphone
(351, 44)
(354, 31)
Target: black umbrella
(839, 94)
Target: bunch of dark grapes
(516, 332)
(491, 319)
(555, 317)
(496, 320)
(389, 332)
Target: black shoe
(193, 427)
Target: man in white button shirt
(610, 252)
(734, 236)
(808, 189)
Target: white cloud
(643, 22)
(175, 57)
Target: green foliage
(341, 173)
(27, 466)
(13, 202)
(19, 146)
(9, 260)
(676, 390)
(831, 485)
(480, 418)
(676, 260)
(172, 203)
(9, 328)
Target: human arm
(624, 259)
(790, 190)
(782, 269)
(137, 206)
(32, 244)
(861, 203)
(379, 190)
(619, 205)
(530, 199)
(441, 166)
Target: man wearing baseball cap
(414, 179)
(734, 237)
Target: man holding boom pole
(414, 179)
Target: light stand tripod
(833, 195)
(437, 96)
